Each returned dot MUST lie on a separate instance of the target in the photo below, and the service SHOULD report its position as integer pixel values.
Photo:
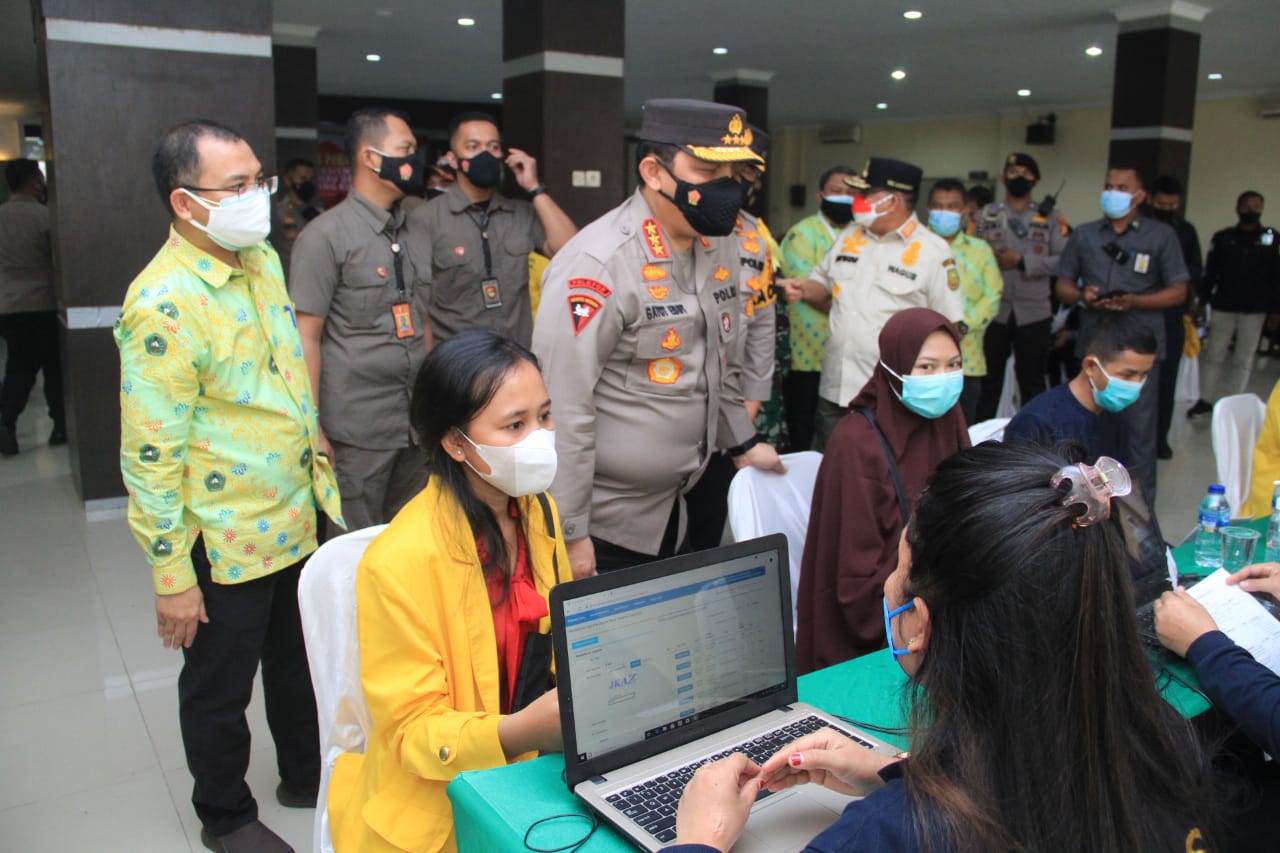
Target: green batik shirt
(981, 286)
(804, 246)
(217, 424)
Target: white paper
(1241, 617)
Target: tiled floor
(88, 704)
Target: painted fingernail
(796, 759)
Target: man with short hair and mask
(882, 262)
(296, 204)
(362, 295)
(1126, 261)
(219, 453)
(804, 245)
(1027, 241)
(1242, 283)
(637, 316)
(479, 240)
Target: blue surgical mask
(930, 396)
(888, 625)
(1119, 393)
(944, 222)
(1116, 204)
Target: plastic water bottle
(1215, 514)
(1273, 528)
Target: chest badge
(671, 341)
(721, 274)
(658, 292)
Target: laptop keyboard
(652, 804)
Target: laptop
(1148, 558)
(670, 665)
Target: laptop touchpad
(809, 810)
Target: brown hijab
(855, 520)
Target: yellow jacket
(429, 668)
(1266, 462)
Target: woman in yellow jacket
(447, 598)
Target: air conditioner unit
(1270, 107)
(836, 134)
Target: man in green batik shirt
(981, 284)
(803, 246)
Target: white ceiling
(831, 58)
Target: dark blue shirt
(1239, 686)
(1056, 415)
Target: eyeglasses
(267, 184)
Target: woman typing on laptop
(454, 654)
(1036, 724)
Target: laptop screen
(668, 652)
(1144, 547)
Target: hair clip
(1093, 487)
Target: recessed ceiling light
(373, 57)
(913, 14)
(497, 96)
(719, 51)
(1215, 76)
(882, 106)
(1024, 93)
(1093, 50)
(899, 74)
(466, 22)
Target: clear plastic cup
(1239, 544)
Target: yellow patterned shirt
(217, 424)
(980, 288)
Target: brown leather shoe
(251, 838)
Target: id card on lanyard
(490, 292)
(401, 311)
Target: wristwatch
(537, 191)
(746, 445)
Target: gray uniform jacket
(634, 357)
(752, 350)
(467, 294)
(343, 269)
(1040, 240)
(26, 257)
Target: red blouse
(517, 609)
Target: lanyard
(397, 263)
(483, 225)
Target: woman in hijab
(906, 415)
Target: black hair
(18, 173)
(1124, 166)
(665, 152)
(296, 162)
(176, 162)
(1166, 185)
(1036, 720)
(949, 185)
(981, 195)
(828, 172)
(472, 115)
(457, 380)
(1116, 331)
(368, 126)
(1248, 194)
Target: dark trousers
(969, 396)
(610, 557)
(1029, 344)
(1175, 338)
(254, 621)
(708, 503)
(800, 396)
(32, 340)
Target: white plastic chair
(990, 430)
(1237, 422)
(327, 602)
(761, 502)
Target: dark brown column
(114, 76)
(293, 62)
(1154, 99)
(562, 97)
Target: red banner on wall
(333, 173)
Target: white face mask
(238, 222)
(866, 218)
(524, 468)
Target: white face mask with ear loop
(238, 222)
(524, 468)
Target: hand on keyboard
(716, 802)
(826, 758)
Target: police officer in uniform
(294, 206)
(633, 330)
(1027, 243)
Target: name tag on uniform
(492, 294)
(1141, 263)
(403, 319)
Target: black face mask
(1164, 215)
(407, 173)
(484, 170)
(711, 207)
(1250, 217)
(432, 192)
(839, 212)
(1019, 187)
(306, 190)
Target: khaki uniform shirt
(461, 299)
(26, 258)
(870, 279)
(633, 343)
(1040, 240)
(287, 220)
(343, 269)
(752, 353)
